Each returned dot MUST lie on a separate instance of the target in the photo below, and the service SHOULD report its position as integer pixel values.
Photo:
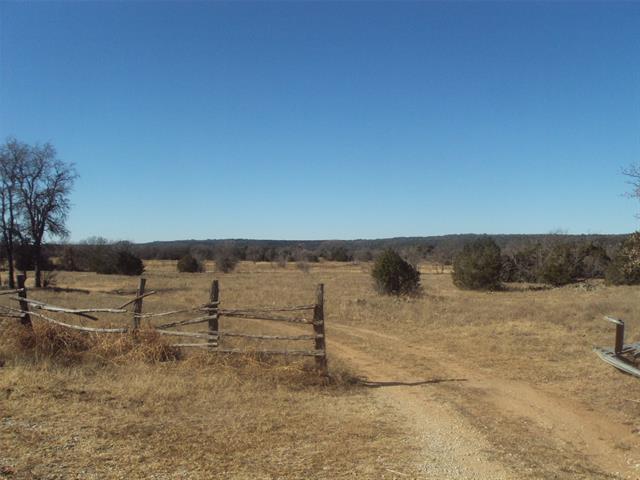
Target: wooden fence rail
(10, 292)
(259, 316)
(211, 315)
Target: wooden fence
(211, 339)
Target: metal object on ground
(622, 356)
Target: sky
(330, 120)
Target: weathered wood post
(619, 345)
(137, 305)
(24, 306)
(214, 298)
(318, 328)
(619, 337)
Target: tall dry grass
(46, 341)
(120, 414)
(78, 405)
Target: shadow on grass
(65, 289)
(525, 287)
(371, 384)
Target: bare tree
(44, 184)
(633, 174)
(12, 155)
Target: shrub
(393, 275)
(561, 265)
(478, 265)
(68, 259)
(303, 255)
(594, 261)
(226, 260)
(189, 263)
(281, 260)
(105, 265)
(96, 254)
(128, 263)
(70, 347)
(339, 254)
(363, 255)
(557, 264)
(528, 262)
(45, 340)
(522, 265)
(624, 269)
(255, 253)
(23, 258)
(509, 269)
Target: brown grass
(181, 420)
(108, 407)
(46, 341)
(77, 405)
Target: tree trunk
(10, 242)
(12, 281)
(37, 267)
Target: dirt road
(467, 424)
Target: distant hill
(442, 246)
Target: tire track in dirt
(445, 445)
(582, 443)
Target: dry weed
(45, 341)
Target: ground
(451, 384)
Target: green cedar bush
(128, 263)
(478, 266)
(189, 263)
(394, 276)
(561, 265)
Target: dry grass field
(453, 384)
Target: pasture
(451, 384)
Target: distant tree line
(441, 249)
(191, 256)
(554, 258)
(437, 250)
(483, 265)
(97, 254)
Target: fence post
(24, 306)
(619, 338)
(318, 328)
(214, 296)
(137, 306)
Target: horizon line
(235, 239)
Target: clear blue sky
(330, 120)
